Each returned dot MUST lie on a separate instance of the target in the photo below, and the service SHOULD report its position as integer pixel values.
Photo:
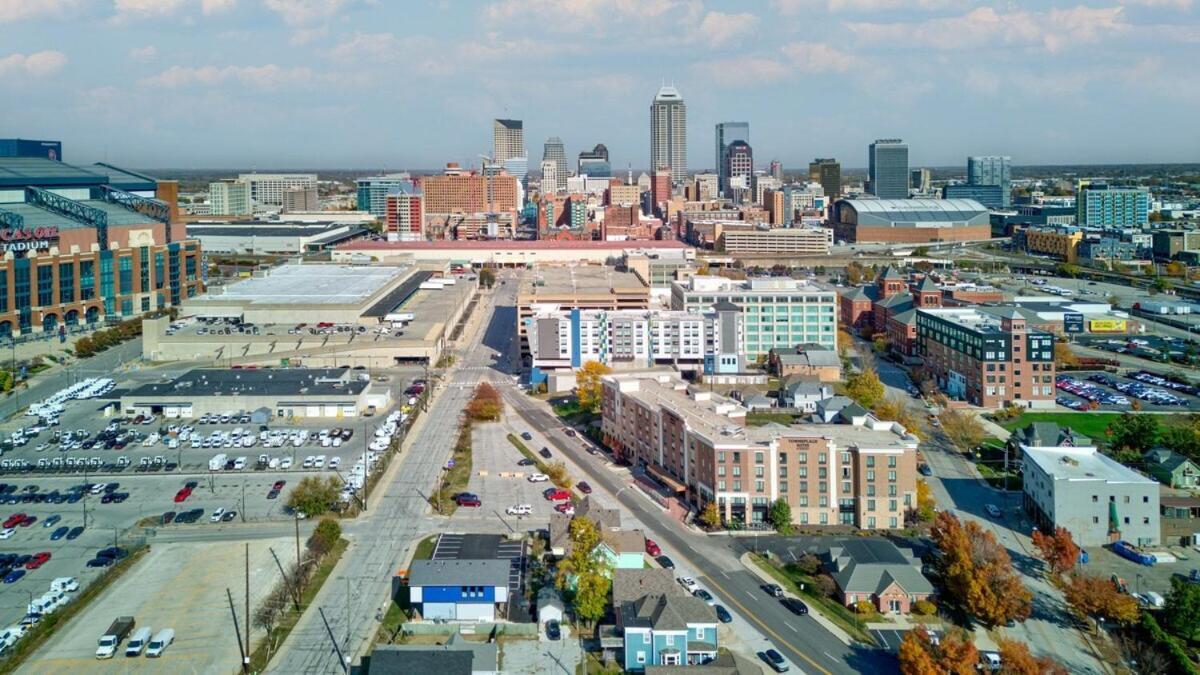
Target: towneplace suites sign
(27, 238)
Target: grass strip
(39, 634)
(831, 609)
(283, 627)
(455, 479)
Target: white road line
(748, 595)
(791, 626)
(831, 657)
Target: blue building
(24, 147)
(373, 191)
(1099, 204)
(458, 590)
(991, 170)
(594, 163)
(887, 169)
(991, 196)
(726, 134)
(668, 630)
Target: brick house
(878, 571)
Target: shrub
(325, 536)
(825, 585)
(808, 564)
(864, 608)
(924, 608)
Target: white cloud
(264, 77)
(718, 28)
(578, 15)
(15, 10)
(38, 63)
(817, 57)
(301, 12)
(304, 36)
(1053, 30)
(147, 53)
(1175, 4)
(378, 46)
(794, 7)
(746, 71)
(216, 6)
(144, 9)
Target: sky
(395, 84)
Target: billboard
(1107, 325)
(1073, 322)
(22, 147)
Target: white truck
(218, 462)
(112, 637)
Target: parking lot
(500, 481)
(1104, 563)
(145, 497)
(1079, 389)
(171, 577)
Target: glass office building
(887, 171)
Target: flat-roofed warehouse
(319, 315)
(285, 392)
(907, 221)
(266, 238)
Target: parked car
(526, 435)
(992, 510)
(723, 614)
(652, 548)
(468, 499)
(519, 510)
(584, 487)
(553, 631)
(665, 562)
(565, 507)
(795, 606)
(776, 661)
(773, 590)
(538, 478)
(556, 495)
(705, 596)
(545, 452)
(689, 584)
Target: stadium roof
(125, 179)
(42, 172)
(885, 212)
(510, 245)
(117, 214)
(36, 216)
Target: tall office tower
(828, 173)
(887, 170)
(992, 170)
(229, 198)
(508, 139)
(668, 134)
(554, 151)
(549, 183)
(776, 170)
(920, 180)
(373, 190)
(726, 133)
(594, 163)
(739, 163)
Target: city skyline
(191, 82)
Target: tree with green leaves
(325, 536)
(1182, 613)
(487, 278)
(314, 495)
(1133, 433)
(584, 573)
(781, 516)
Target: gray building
(1069, 483)
(827, 172)
(991, 196)
(992, 170)
(553, 151)
(726, 134)
(668, 134)
(887, 170)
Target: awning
(671, 483)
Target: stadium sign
(1073, 322)
(27, 238)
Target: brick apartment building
(987, 356)
(697, 444)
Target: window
(1095, 520)
(892, 461)
(870, 460)
(45, 282)
(821, 458)
(1095, 498)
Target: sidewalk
(813, 611)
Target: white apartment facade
(266, 189)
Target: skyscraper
(508, 140)
(594, 162)
(738, 164)
(668, 133)
(549, 183)
(776, 170)
(827, 172)
(992, 170)
(920, 180)
(553, 151)
(887, 170)
(727, 133)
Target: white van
(160, 642)
(138, 642)
(65, 584)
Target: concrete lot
(542, 656)
(1104, 563)
(494, 455)
(179, 586)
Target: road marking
(791, 626)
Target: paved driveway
(542, 656)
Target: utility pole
(286, 581)
(247, 598)
(297, 522)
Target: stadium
(86, 244)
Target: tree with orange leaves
(1095, 596)
(954, 653)
(978, 572)
(1058, 550)
(1015, 659)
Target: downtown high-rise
(726, 134)
(668, 134)
(828, 172)
(553, 151)
(992, 170)
(508, 140)
(887, 169)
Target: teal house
(667, 630)
(1171, 468)
(623, 549)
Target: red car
(38, 560)
(279, 484)
(584, 487)
(557, 494)
(183, 494)
(652, 548)
(14, 520)
(565, 507)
